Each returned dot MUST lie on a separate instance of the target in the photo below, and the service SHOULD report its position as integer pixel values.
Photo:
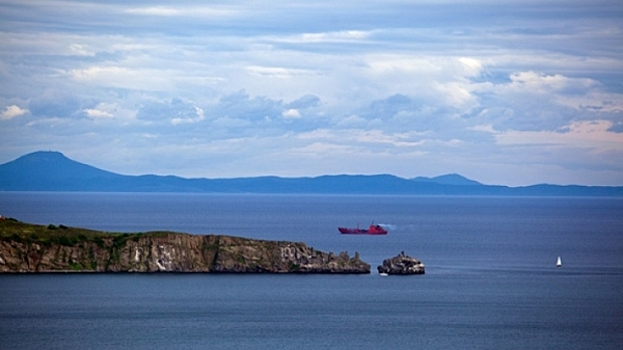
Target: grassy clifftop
(38, 248)
(20, 232)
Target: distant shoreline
(53, 172)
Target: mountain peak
(449, 179)
(53, 156)
(50, 170)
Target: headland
(31, 248)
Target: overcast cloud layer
(503, 92)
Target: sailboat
(559, 262)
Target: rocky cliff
(34, 248)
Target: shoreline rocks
(402, 265)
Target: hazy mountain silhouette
(449, 179)
(52, 171)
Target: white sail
(559, 262)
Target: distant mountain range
(52, 171)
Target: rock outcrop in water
(28, 248)
(402, 265)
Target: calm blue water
(490, 283)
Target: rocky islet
(402, 265)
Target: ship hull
(373, 230)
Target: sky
(503, 92)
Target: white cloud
(471, 67)
(277, 72)
(11, 112)
(121, 77)
(97, 114)
(155, 11)
(404, 64)
(361, 137)
(291, 114)
(101, 111)
(326, 37)
(537, 83)
(181, 11)
(592, 135)
(80, 50)
(441, 81)
(457, 95)
(189, 120)
(532, 101)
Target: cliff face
(33, 248)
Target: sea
(491, 279)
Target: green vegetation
(294, 267)
(75, 266)
(99, 241)
(13, 230)
(114, 256)
(59, 236)
(119, 241)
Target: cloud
(156, 11)
(97, 114)
(538, 83)
(80, 50)
(532, 101)
(56, 104)
(11, 112)
(102, 111)
(445, 81)
(124, 77)
(291, 113)
(471, 67)
(277, 72)
(306, 105)
(391, 106)
(313, 87)
(183, 11)
(239, 113)
(241, 105)
(593, 135)
(324, 37)
(304, 102)
(175, 111)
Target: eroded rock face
(167, 252)
(402, 265)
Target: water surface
(491, 279)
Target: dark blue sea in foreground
(490, 283)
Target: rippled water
(491, 282)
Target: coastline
(29, 248)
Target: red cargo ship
(372, 230)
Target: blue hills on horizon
(53, 171)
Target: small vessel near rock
(401, 265)
(372, 230)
